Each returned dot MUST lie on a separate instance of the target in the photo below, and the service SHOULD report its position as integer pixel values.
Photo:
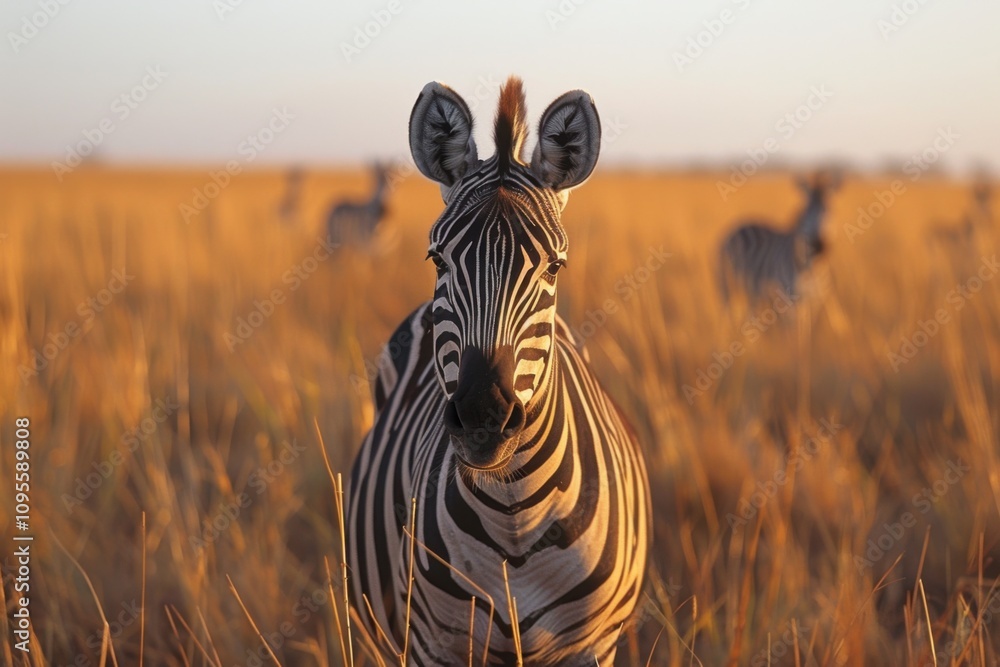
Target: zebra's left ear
(441, 138)
(569, 141)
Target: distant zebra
(490, 418)
(962, 240)
(288, 207)
(758, 259)
(356, 222)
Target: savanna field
(826, 477)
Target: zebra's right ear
(441, 138)
(569, 141)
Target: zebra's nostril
(452, 421)
(515, 421)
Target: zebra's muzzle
(484, 417)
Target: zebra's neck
(544, 408)
(379, 195)
(810, 220)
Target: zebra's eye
(554, 267)
(442, 266)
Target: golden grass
(233, 444)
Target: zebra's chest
(543, 531)
(525, 563)
(483, 521)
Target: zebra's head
(382, 172)
(498, 246)
(809, 240)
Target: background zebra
(757, 259)
(352, 221)
(962, 243)
(488, 415)
(288, 207)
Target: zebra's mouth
(485, 458)
(502, 463)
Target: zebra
(759, 259)
(962, 242)
(288, 207)
(490, 418)
(352, 221)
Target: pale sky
(886, 94)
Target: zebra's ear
(441, 138)
(569, 141)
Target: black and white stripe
(490, 417)
(758, 259)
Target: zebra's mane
(510, 129)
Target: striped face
(498, 247)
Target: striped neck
(811, 218)
(543, 409)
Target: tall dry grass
(227, 473)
